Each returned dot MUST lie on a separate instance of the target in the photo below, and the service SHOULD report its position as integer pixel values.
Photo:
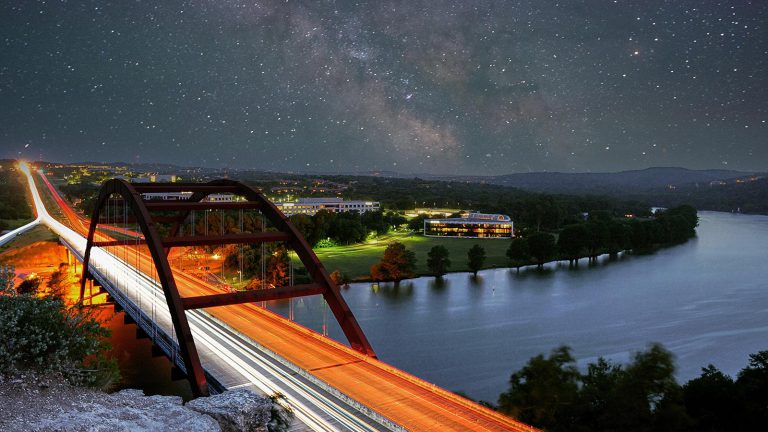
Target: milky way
(470, 87)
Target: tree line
(399, 263)
(326, 228)
(601, 233)
(42, 333)
(13, 197)
(551, 393)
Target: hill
(610, 183)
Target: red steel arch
(159, 247)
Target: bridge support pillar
(177, 374)
(157, 351)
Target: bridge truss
(159, 225)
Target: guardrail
(157, 334)
(365, 410)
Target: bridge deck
(231, 343)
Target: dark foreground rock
(237, 410)
(29, 403)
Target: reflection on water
(706, 300)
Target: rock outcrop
(128, 410)
(237, 410)
(29, 403)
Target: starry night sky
(417, 86)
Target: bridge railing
(365, 410)
(160, 336)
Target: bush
(326, 243)
(43, 335)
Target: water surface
(706, 301)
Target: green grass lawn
(356, 260)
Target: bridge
(224, 339)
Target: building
(444, 212)
(183, 196)
(471, 225)
(163, 178)
(310, 206)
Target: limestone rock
(236, 410)
(127, 410)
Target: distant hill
(744, 195)
(611, 183)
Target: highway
(303, 364)
(235, 361)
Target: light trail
(253, 343)
(308, 404)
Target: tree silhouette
(475, 258)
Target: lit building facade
(310, 206)
(471, 225)
(183, 196)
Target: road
(402, 398)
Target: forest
(551, 393)
(13, 199)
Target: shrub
(43, 335)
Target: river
(706, 301)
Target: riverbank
(355, 261)
(704, 300)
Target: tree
(518, 252)
(339, 278)
(649, 380)
(572, 241)
(29, 285)
(42, 334)
(7, 275)
(689, 214)
(475, 258)
(619, 237)
(597, 238)
(678, 227)
(544, 391)
(711, 400)
(335, 277)
(346, 228)
(417, 223)
(277, 267)
(374, 221)
(753, 388)
(322, 225)
(541, 211)
(397, 264)
(640, 237)
(643, 396)
(57, 283)
(306, 227)
(542, 247)
(394, 220)
(438, 261)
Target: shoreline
(530, 266)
